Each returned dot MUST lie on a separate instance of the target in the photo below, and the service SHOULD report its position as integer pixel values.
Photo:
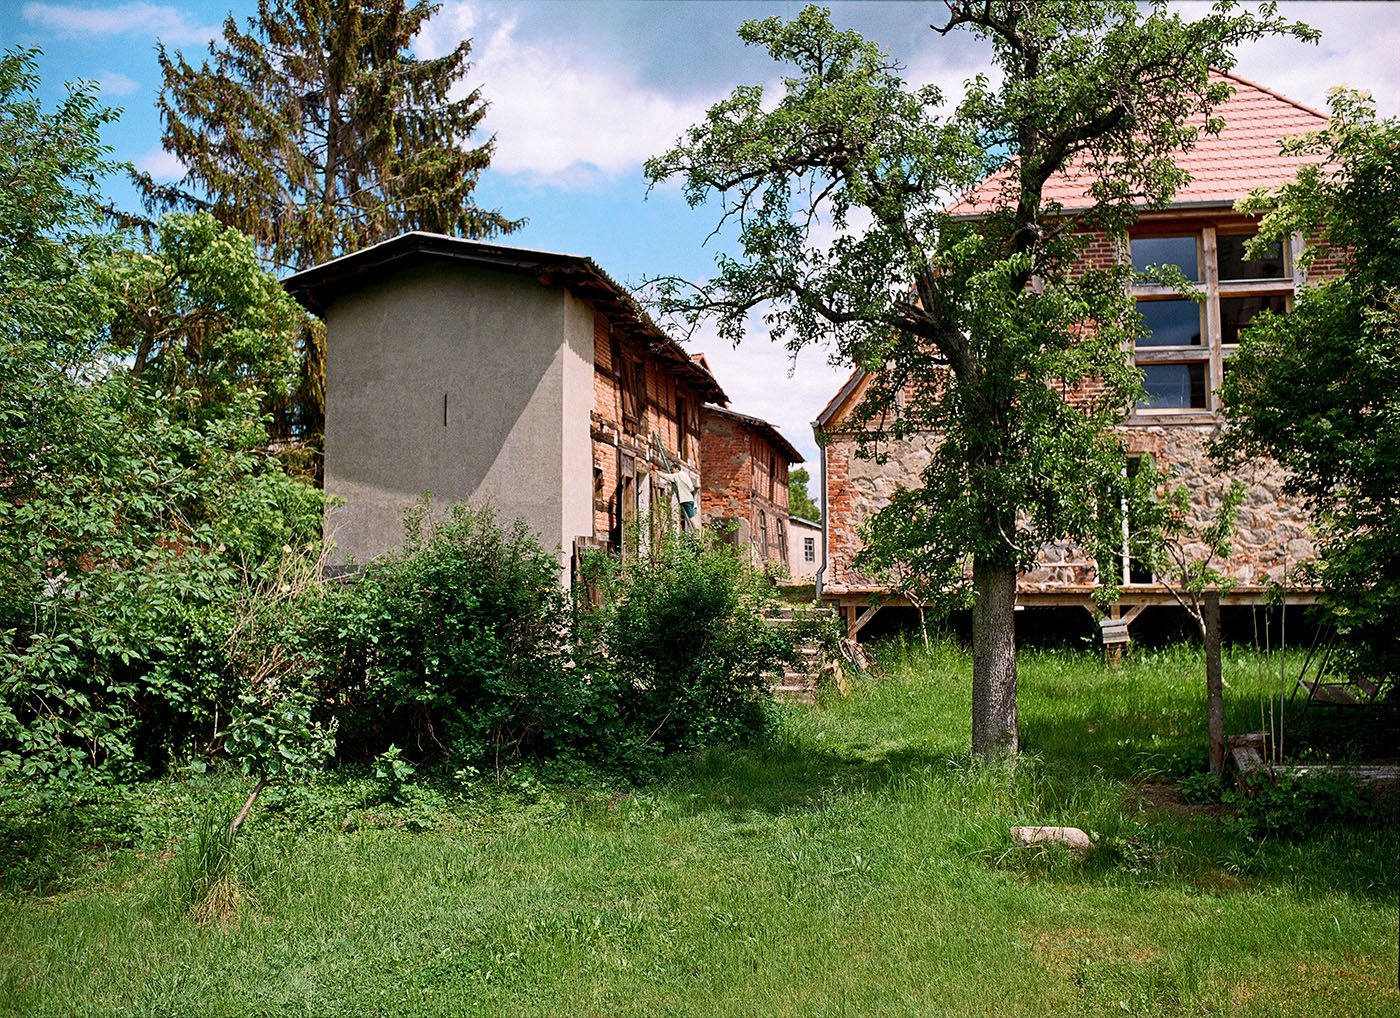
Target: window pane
(1171, 322)
(1174, 386)
(1238, 312)
(1178, 251)
(1234, 264)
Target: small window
(1178, 251)
(763, 533)
(683, 427)
(639, 387)
(809, 549)
(1235, 264)
(1174, 322)
(1237, 312)
(1174, 386)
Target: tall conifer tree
(316, 131)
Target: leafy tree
(50, 165)
(316, 132)
(194, 313)
(990, 324)
(1315, 388)
(799, 501)
(123, 526)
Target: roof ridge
(1269, 91)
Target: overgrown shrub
(1295, 807)
(452, 647)
(685, 644)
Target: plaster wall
(798, 566)
(459, 381)
(576, 443)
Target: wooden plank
(857, 623)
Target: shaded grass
(858, 865)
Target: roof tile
(1223, 167)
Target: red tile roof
(1223, 167)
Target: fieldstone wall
(1272, 539)
(1274, 534)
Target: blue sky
(582, 92)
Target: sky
(581, 93)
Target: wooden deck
(858, 605)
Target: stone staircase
(798, 682)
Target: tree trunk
(993, 658)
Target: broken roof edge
(317, 287)
(760, 425)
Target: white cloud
(1358, 47)
(160, 164)
(568, 117)
(172, 25)
(116, 83)
(762, 380)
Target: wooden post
(1113, 652)
(1215, 699)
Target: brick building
(1183, 362)
(523, 380)
(744, 482)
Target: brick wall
(735, 484)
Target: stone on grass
(1071, 838)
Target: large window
(1183, 356)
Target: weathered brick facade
(638, 400)
(744, 481)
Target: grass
(857, 866)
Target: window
(782, 539)
(1183, 356)
(1181, 252)
(683, 427)
(762, 534)
(1134, 569)
(809, 549)
(639, 389)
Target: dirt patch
(1166, 798)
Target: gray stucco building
(498, 376)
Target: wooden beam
(857, 622)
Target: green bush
(1295, 807)
(685, 644)
(453, 647)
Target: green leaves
(132, 507)
(1315, 388)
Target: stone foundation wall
(1272, 538)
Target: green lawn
(858, 866)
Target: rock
(1071, 838)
